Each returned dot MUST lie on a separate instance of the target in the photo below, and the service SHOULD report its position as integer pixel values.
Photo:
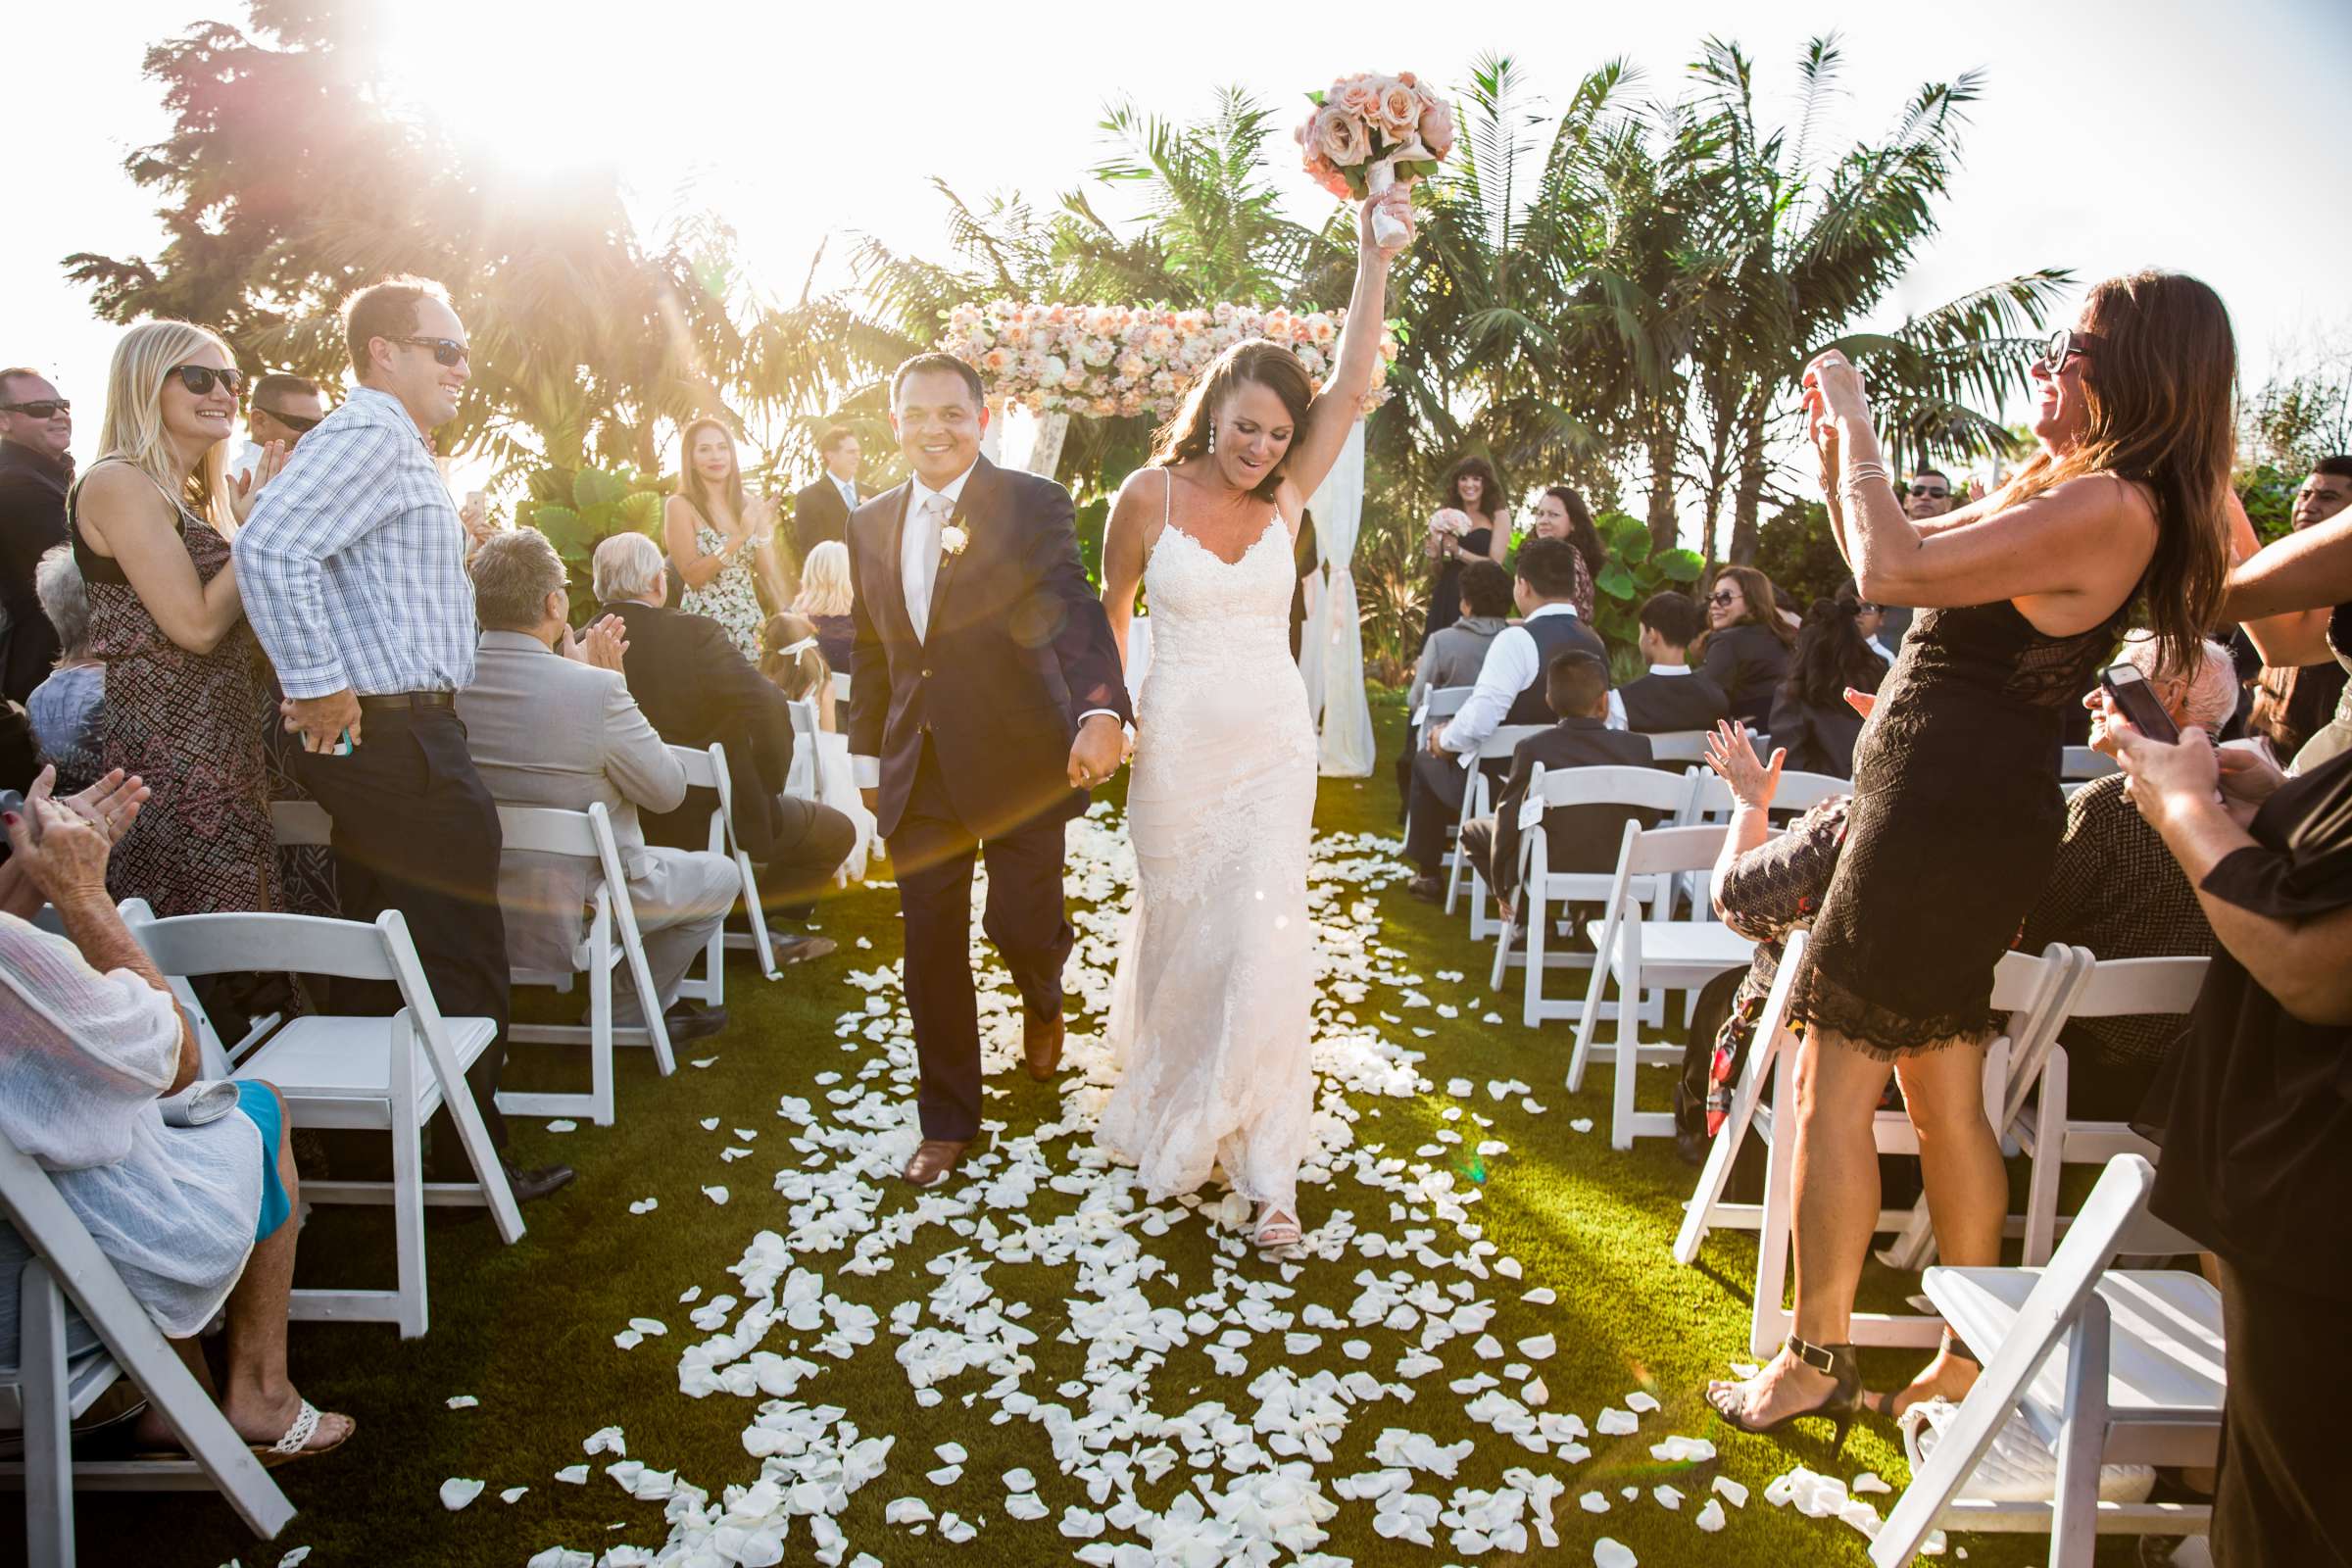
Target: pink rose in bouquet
(1450, 520)
(1370, 132)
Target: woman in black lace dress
(1957, 810)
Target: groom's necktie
(924, 532)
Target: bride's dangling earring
(1213, 440)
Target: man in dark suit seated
(1671, 696)
(690, 681)
(1509, 690)
(821, 510)
(1578, 838)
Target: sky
(2111, 134)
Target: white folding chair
(2107, 1366)
(1540, 886)
(2027, 988)
(1691, 745)
(707, 768)
(586, 836)
(1438, 702)
(1643, 955)
(1478, 799)
(385, 1074)
(841, 685)
(54, 1386)
(2116, 988)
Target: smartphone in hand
(2137, 699)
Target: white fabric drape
(1332, 655)
(1016, 438)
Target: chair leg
(1590, 1018)
(408, 1222)
(2049, 1153)
(1629, 1060)
(600, 1015)
(1538, 931)
(1723, 1150)
(757, 918)
(48, 1444)
(641, 977)
(2082, 1440)
(1768, 1319)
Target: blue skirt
(261, 1108)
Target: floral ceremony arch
(1044, 362)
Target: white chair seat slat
(350, 1058)
(1477, 800)
(2167, 1367)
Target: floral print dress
(732, 596)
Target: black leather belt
(378, 703)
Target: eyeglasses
(200, 380)
(1724, 597)
(38, 408)
(1937, 490)
(445, 350)
(292, 421)
(2065, 344)
(1866, 608)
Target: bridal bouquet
(1368, 131)
(1450, 520)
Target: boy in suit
(1671, 696)
(1581, 838)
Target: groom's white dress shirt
(927, 514)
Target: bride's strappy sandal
(1277, 1232)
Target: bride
(1211, 1009)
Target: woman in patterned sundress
(721, 542)
(186, 697)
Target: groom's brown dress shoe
(1041, 1043)
(933, 1158)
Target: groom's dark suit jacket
(1016, 648)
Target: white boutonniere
(952, 540)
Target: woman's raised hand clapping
(1734, 758)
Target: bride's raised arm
(1333, 410)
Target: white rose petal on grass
(701, 1062)
(1641, 1402)
(1711, 1517)
(606, 1440)
(1615, 1423)
(1541, 1296)
(950, 1453)
(1868, 1481)
(955, 1529)
(1592, 1502)
(295, 1558)
(461, 1401)
(645, 1205)
(1026, 1506)
(1539, 1348)
(906, 1511)
(456, 1492)
(561, 1558)
(1608, 1553)
(1667, 1496)
(511, 1493)
(1583, 1124)
(1733, 1492)
(709, 1124)
(573, 1475)
(946, 1475)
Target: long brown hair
(1763, 604)
(1490, 496)
(690, 477)
(2158, 388)
(800, 673)
(1270, 365)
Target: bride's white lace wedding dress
(1211, 1012)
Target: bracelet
(1856, 472)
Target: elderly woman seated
(194, 1218)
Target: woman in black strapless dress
(1957, 811)
(1470, 488)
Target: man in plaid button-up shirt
(352, 571)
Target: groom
(986, 697)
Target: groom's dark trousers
(934, 854)
(969, 724)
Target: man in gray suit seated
(549, 722)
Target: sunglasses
(38, 408)
(292, 421)
(200, 380)
(2064, 345)
(1936, 490)
(1724, 597)
(446, 351)
(1865, 607)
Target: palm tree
(1800, 245)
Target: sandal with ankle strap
(1839, 1407)
(1277, 1231)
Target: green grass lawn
(528, 1329)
